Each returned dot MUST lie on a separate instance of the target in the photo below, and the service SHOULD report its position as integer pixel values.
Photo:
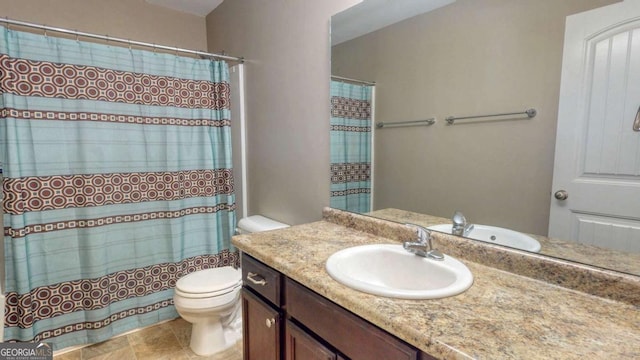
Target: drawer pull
(270, 322)
(251, 277)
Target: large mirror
(462, 58)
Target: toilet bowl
(210, 299)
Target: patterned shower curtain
(350, 147)
(117, 181)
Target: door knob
(561, 195)
(270, 322)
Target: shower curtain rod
(335, 77)
(108, 39)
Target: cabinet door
(301, 346)
(348, 333)
(261, 326)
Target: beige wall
(497, 173)
(471, 57)
(286, 44)
(128, 19)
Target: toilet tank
(258, 223)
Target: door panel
(597, 152)
(621, 234)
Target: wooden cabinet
(355, 337)
(262, 280)
(283, 320)
(300, 345)
(261, 328)
(261, 314)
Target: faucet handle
(423, 247)
(424, 234)
(459, 219)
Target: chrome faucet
(423, 246)
(460, 226)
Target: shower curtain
(350, 147)
(117, 181)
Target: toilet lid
(209, 280)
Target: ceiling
(361, 19)
(371, 15)
(195, 7)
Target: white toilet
(210, 298)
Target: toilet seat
(209, 283)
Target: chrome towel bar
(426, 122)
(529, 112)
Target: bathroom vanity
(293, 310)
(313, 327)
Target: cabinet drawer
(351, 335)
(262, 279)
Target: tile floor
(166, 341)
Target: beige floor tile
(168, 341)
(182, 330)
(120, 354)
(178, 355)
(154, 332)
(154, 342)
(105, 347)
(71, 355)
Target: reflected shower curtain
(117, 181)
(350, 147)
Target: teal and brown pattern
(57, 80)
(118, 180)
(350, 147)
(40, 193)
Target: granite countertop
(586, 254)
(502, 315)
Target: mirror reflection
(465, 58)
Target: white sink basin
(390, 270)
(496, 235)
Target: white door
(597, 161)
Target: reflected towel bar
(529, 112)
(346, 79)
(427, 122)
